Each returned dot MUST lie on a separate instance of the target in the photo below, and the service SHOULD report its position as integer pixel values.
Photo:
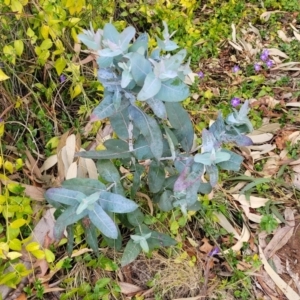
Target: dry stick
(6, 110)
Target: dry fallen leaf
(128, 288)
(222, 220)
(254, 202)
(245, 236)
(285, 288)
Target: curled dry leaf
(128, 288)
(72, 171)
(222, 220)
(297, 35)
(283, 36)
(245, 236)
(190, 78)
(293, 104)
(276, 52)
(49, 163)
(271, 166)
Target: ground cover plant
(153, 157)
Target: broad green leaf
(49, 255)
(60, 64)
(33, 246)
(103, 222)
(131, 252)
(150, 88)
(173, 90)
(116, 203)
(68, 217)
(213, 173)
(64, 196)
(13, 255)
(140, 67)
(19, 47)
(84, 185)
(136, 217)
(46, 44)
(3, 76)
(144, 245)
(116, 144)
(15, 244)
(108, 171)
(18, 223)
(156, 177)
(157, 107)
(149, 129)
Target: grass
(36, 104)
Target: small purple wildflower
(200, 74)
(264, 55)
(213, 252)
(235, 101)
(269, 63)
(257, 67)
(62, 78)
(235, 69)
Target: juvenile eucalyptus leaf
(140, 43)
(165, 201)
(116, 144)
(86, 186)
(108, 171)
(87, 202)
(213, 173)
(110, 33)
(68, 217)
(131, 252)
(158, 240)
(119, 122)
(138, 171)
(114, 243)
(136, 218)
(125, 37)
(157, 107)
(149, 129)
(233, 164)
(70, 244)
(140, 67)
(180, 120)
(156, 177)
(104, 154)
(204, 188)
(142, 149)
(103, 222)
(90, 232)
(64, 196)
(116, 203)
(150, 88)
(173, 90)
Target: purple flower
(264, 55)
(269, 63)
(200, 74)
(62, 78)
(257, 67)
(235, 101)
(214, 251)
(235, 69)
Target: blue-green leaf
(136, 217)
(108, 171)
(173, 90)
(157, 107)
(125, 37)
(234, 162)
(68, 217)
(119, 122)
(156, 177)
(138, 171)
(166, 200)
(111, 33)
(104, 154)
(180, 120)
(131, 252)
(87, 202)
(116, 203)
(140, 43)
(85, 185)
(140, 67)
(63, 196)
(150, 88)
(149, 129)
(103, 222)
(91, 237)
